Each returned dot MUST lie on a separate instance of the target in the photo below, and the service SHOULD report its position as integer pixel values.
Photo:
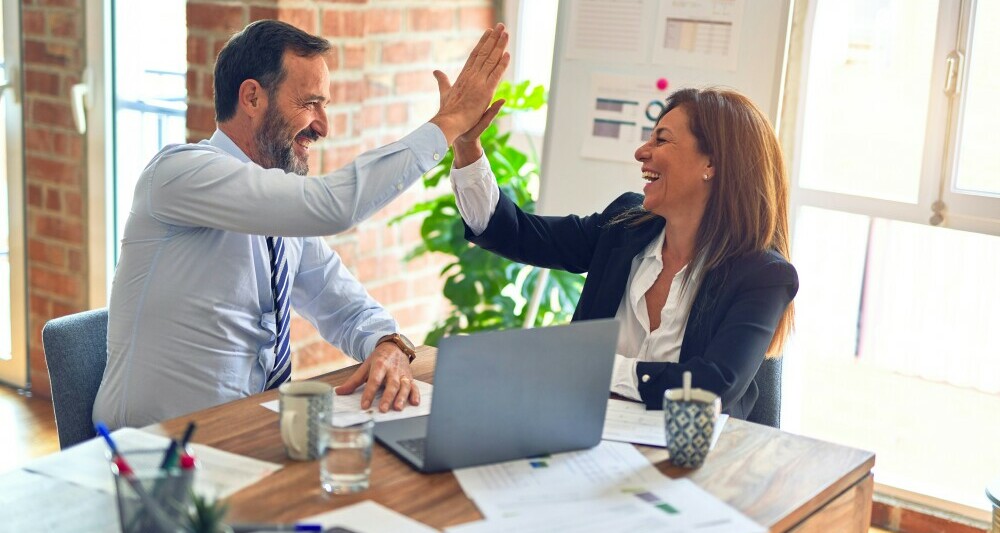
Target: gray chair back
(767, 410)
(76, 352)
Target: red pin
(662, 84)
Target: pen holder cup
(151, 499)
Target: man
(222, 237)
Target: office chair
(767, 410)
(76, 352)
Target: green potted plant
(486, 291)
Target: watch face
(406, 342)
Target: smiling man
(222, 240)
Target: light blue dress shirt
(192, 320)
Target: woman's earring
(705, 177)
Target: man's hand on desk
(389, 366)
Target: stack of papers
(631, 422)
(347, 408)
(611, 487)
(37, 503)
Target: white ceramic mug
(304, 407)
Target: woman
(696, 270)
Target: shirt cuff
(372, 341)
(623, 378)
(478, 173)
(429, 144)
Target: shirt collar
(222, 141)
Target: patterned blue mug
(689, 425)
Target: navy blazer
(733, 316)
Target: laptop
(511, 394)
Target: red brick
(378, 85)
(48, 254)
(59, 3)
(54, 283)
(75, 260)
(475, 18)
(419, 81)
(51, 171)
(397, 113)
(63, 24)
(33, 23)
(354, 57)
(390, 293)
(40, 304)
(452, 50)
(58, 229)
(201, 118)
(34, 195)
(347, 91)
(51, 113)
(430, 19)
(197, 50)
(371, 116)
(60, 309)
(337, 156)
(73, 202)
(383, 21)
(406, 52)
(53, 54)
(45, 83)
(53, 201)
(301, 329)
(303, 19)
(69, 145)
(261, 13)
(338, 125)
(339, 24)
(215, 17)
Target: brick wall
(55, 168)
(382, 88)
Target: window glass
(150, 92)
(536, 35)
(978, 157)
(867, 88)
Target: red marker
(662, 84)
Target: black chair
(767, 410)
(76, 352)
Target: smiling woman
(696, 271)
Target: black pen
(187, 435)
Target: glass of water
(346, 465)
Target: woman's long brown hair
(747, 210)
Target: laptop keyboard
(415, 446)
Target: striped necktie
(279, 289)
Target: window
(534, 24)
(13, 310)
(895, 344)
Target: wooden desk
(783, 481)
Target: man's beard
(274, 149)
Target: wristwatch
(404, 344)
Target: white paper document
(669, 506)
(367, 517)
(622, 112)
(702, 34)
(608, 30)
(630, 422)
(500, 489)
(37, 503)
(220, 473)
(346, 409)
